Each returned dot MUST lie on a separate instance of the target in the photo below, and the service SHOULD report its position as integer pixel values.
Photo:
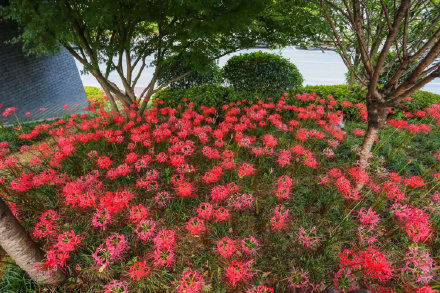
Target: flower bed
(252, 197)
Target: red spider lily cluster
(247, 198)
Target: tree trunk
(111, 99)
(377, 117)
(144, 103)
(367, 144)
(352, 81)
(20, 247)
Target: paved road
(316, 66)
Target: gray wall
(31, 83)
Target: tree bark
(145, 101)
(111, 99)
(377, 117)
(20, 247)
(351, 79)
(367, 145)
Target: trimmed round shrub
(201, 74)
(262, 73)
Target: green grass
(15, 280)
(11, 134)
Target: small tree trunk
(144, 103)
(111, 99)
(351, 80)
(367, 145)
(20, 247)
(377, 117)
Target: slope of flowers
(253, 197)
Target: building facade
(38, 86)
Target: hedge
(208, 95)
(216, 96)
(419, 100)
(339, 92)
(211, 95)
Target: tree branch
(344, 54)
(415, 75)
(387, 14)
(415, 87)
(141, 69)
(356, 23)
(426, 46)
(389, 40)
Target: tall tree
(17, 244)
(126, 36)
(397, 43)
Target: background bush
(201, 74)
(210, 95)
(207, 95)
(95, 94)
(339, 92)
(419, 100)
(93, 91)
(215, 95)
(262, 72)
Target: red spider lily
(196, 226)
(139, 270)
(191, 282)
(415, 222)
(238, 272)
(221, 214)
(371, 261)
(138, 213)
(116, 286)
(106, 187)
(8, 111)
(101, 218)
(226, 247)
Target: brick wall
(32, 83)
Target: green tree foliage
(175, 66)
(126, 36)
(122, 34)
(291, 22)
